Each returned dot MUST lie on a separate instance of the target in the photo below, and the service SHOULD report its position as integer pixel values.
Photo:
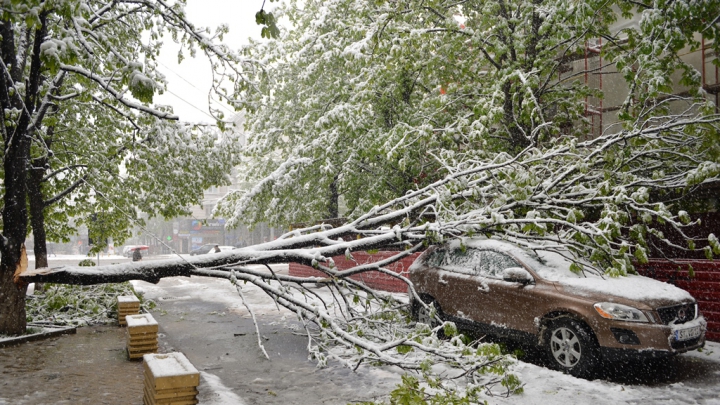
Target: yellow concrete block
(143, 341)
(173, 397)
(150, 401)
(169, 392)
(149, 348)
(170, 370)
(142, 323)
(128, 300)
(134, 356)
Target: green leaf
(260, 17)
(404, 349)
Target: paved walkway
(89, 367)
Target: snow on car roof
(555, 266)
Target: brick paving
(89, 367)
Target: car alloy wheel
(424, 315)
(565, 347)
(421, 314)
(572, 347)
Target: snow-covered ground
(692, 378)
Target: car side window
(436, 258)
(460, 260)
(492, 264)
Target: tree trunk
(518, 141)
(12, 297)
(37, 217)
(15, 219)
(333, 200)
(17, 152)
(37, 205)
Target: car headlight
(619, 312)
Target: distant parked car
(129, 249)
(202, 249)
(226, 248)
(532, 296)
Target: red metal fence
(703, 284)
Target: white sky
(190, 81)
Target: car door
(507, 306)
(452, 280)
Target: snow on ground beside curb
(543, 386)
(221, 394)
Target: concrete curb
(50, 331)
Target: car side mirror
(517, 275)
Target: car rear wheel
(423, 314)
(571, 347)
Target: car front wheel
(571, 347)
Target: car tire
(421, 314)
(571, 347)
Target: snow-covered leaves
(483, 109)
(79, 305)
(99, 145)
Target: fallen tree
(604, 200)
(594, 200)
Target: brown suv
(532, 296)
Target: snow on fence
(373, 279)
(702, 282)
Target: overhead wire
(218, 103)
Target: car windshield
(552, 265)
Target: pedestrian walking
(137, 256)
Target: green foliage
(80, 305)
(267, 20)
(449, 329)
(404, 349)
(373, 100)
(101, 152)
(425, 390)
